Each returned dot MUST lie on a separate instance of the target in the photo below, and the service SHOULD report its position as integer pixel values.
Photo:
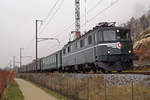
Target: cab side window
(82, 43)
(64, 51)
(100, 36)
(90, 39)
(69, 49)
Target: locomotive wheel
(94, 70)
(109, 71)
(83, 71)
(101, 70)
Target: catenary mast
(77, 19)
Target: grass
(124, 93)
(91, 88)
(13, 93)
(50, 92)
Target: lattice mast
(77, 19)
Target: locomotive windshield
(109, 35)
(123, 34)
(113, 35)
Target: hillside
(140, 34)
(138, 25)
(142, 47)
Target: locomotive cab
(114, 50)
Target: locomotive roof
(95, 29)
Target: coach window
(90, 39)
(49, 59)
(82, 43)
(53, 60)
(100, 36)
(69, 49)
(76, 45)
(86, 41)
(64, 51)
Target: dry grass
(125, 93)
(88, 88)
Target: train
(105, 48)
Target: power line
(112, 3)
(90, 10)
(47, 18)
(50, 11)
(105, 9)
(85, 13)
(52, 16)
(97, 4)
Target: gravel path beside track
(32, 92)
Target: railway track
(139, 72)
(143, 73)
(98, 73)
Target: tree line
(138, 25)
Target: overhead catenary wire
(47, 17)
(97, 4)
(87, 12)
(87, 21)
(92, 17)
(111, 4)
(61, 3)
(49, 13)
(99, 13)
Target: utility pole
(39, 40)
(36, 42)
(36, 32)
(77, 18)
(10, 64)
(21, 56)
(14, 62)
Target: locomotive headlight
(129, 51)
(118, 31)
(108, 52)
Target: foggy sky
(17, 23)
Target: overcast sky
(17, 22)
